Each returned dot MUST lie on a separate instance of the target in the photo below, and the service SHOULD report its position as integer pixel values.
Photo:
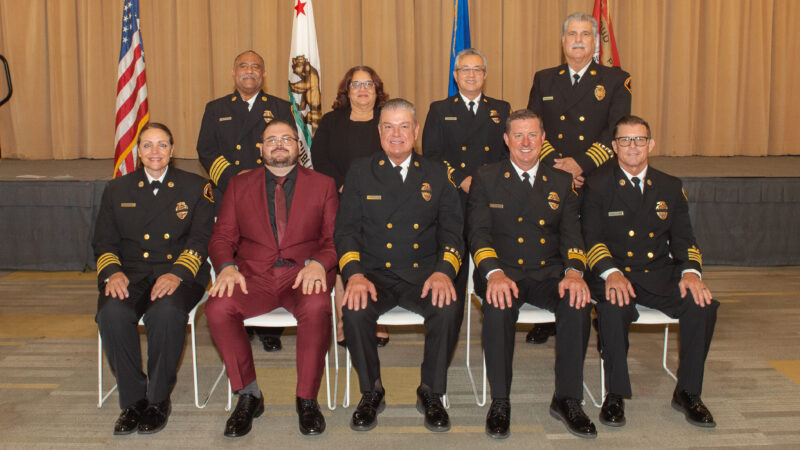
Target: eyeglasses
(625, 141)
(473, 70)
(354, 85)
(273, 141)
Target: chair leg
(101, 398)
(197, 403)
(230, 393)
(335, 357)
(346, 397)
(483, 400)
(664, 358)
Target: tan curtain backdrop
(714, 77)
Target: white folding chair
(528, 314)
(395, 316)
(647, 316)
(281, 318)
(101, 397)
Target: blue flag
(460, 39)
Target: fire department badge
(426, 191)
(181, 210)
(268, 116)
(553, 200)
(662, 210)
(599, 92)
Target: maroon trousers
(272, 290)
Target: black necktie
(399, 170)
(577, 78)
(155, 184)
(526, 178)
(636, 182)
(471, 105)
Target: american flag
(132, 111)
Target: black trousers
(165, 320)
(441, 325)
(572, 336)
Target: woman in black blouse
(348, 132)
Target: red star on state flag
(300, 8)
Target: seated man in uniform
(525, 237)
(398, 232)
(273, 247)
(642, 250)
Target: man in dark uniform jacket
(399, 239)
(525, 238)
(579, 102)
(230, 137)
(465, 131)
(150, 241)
(642, 250)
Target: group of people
(556, 205)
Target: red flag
(132, 112)
(605, 52)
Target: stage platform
(744, 209)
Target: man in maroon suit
(273, 247)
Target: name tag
(496, 205)
(616, 213)
(547, 99)
(223, 119)
(450, 118)
(373, 197)
(128, 205)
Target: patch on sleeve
(208, 193)
(628, 85)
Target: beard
(281, 161)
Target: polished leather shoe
(498, 419)
(693, 408)
(613, 411)
(365, 416)
(241, 420)
(271, 343)
(430, 405)
(311, 419)
(382, 341)
(540, 332)
(128, 420)
(569, 411)
(154, 418)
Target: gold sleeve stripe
(547, 148)
(107, 259)
(576, 253)
(348, 257)
(191, 260)
(695, 255)
(483, 253)
(217, 167)
(599, 153)
(450, 171)
(596, 253)
(453, 260)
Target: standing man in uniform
(579, 103)
(465, 131)
(642, 250)
(230, 138)
(525, 237)
(399, 236)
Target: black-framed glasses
(625, 141)
(273, 141)
(358, 84)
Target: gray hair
(580, 17)
(400, 104)
(522, 114)
(469, 51)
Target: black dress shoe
(693, 408)
(613, 411)
(271, 343)
(540, 332)
(569, 411)
(498, 419)
(342, 343)
(128, 420)
(430, 405)
(366, 413)
(154, 418)
(241, 420)
(382, 341)
(310, 417)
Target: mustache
(248, 75)
(581, 46)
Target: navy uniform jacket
(230, 135)
(526, 232)
(140, 234)
(579, 121)
(462, 140)
(411, 228)
(649, 239)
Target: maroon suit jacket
(243, 233)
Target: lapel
(649, 197)
(258, 185)
(459, 109)
(161, 202)
(410, 187)
(626, 191)
(302, 190)
(585, 86)
(250, 118)
(514, 186)
(540, 187)
(479, 121)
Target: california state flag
(304, 79)
(605, 51)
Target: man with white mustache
(579, 103)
